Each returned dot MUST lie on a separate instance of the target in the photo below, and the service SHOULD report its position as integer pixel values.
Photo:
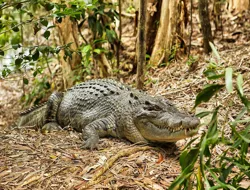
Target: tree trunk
(68, 32)
(141, 44)
(165, 33)
(152, 16)
(239, 5)
(205, 25)
(217, 14)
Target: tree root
(95, 179)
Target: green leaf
(18, 62)
(241, 136)
(221, 184)
(92, 23)
(16, 46)
(111, 35)
(207, 93)
(49, 6)
(35, 73)
(27, 57)
(99, 28)
(214, 50)
(15, 29)
(98, 51)
(100, 41)
(239, 84)
(188, 157)
(25, 81)
(57, 50)
(229, 79)
(52, 26)
(16, 39)
(44, 22)
(86, 48)
(46, 34)
(42, 49)
(18, 5)
(244, 100)
(35, 56)
(1, 52)
(176, 184)
(4, 73)
(68, 53)
(59, 19)
(211, 74)
(47, 85)
(212, 133)
(203, 114)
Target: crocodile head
(158, 120)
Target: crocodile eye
(152, 107)
(157, 108)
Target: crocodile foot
(50, 127)
(90, 144)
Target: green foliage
(207, 93)
(191, 60)
(229, 169)
(41, 88)
(39, 16)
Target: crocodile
(102, 107)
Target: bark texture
(205, 25)
(152, 18)
(141, 44)
(239, 5)
(68, 33)
(165, 33)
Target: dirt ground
(31, 160)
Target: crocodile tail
(34, 116)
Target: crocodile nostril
(194, 122)
(190, 122)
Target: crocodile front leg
(98, 128)
(131, 132)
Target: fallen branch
(109, 163)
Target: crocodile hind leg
(98, 128)
(51, 113)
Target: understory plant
(201, 168)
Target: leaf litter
(32, 160)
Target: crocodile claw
(90, 143)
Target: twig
(12, 4)
(55, 173)
(28, 21)
(109, 163)
(79, 31)
(47, 63)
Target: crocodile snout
(190, 122)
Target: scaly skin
(104, 107)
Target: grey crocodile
(102, 107)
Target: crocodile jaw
(154, 133)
